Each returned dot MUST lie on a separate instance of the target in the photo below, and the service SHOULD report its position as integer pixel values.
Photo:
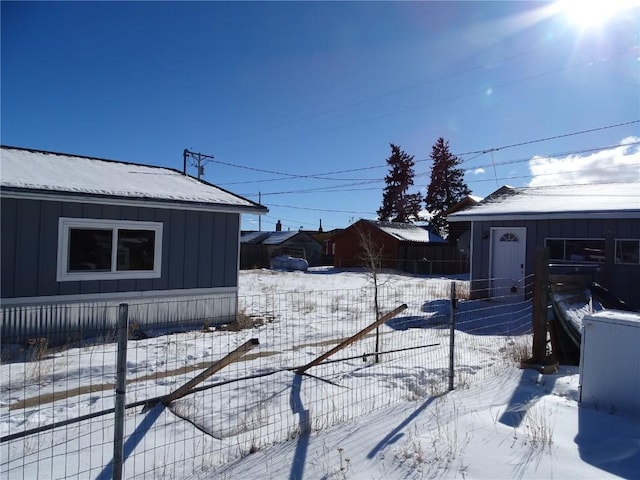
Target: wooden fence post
(540, 287)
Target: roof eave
(33, 194)
(585, 215)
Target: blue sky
(279, 92)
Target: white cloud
(478, 171)
(618, 164)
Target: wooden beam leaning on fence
(353, 338)
(217, 366)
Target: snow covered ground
(349, 419)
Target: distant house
(583, 225)
(81, 235)
(404, 247)
(258, 248)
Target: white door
(508, 249)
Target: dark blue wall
(623, 280)
(199, 249)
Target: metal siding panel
(568, 229)
(231, 248)
(68, 288)
(164, 216)
(112, 212)
(147, 214)
(176, 247)
(191, 249)
(91, 210)
(8, 223)
(26, 248)
(47, 267)
(485, 236)
(143, 284)
(127, 285)
(205, 276)
(129, 213)
(219, 249)
(95, 286)
(592, 228)
(70, 209)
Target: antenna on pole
(197, 160)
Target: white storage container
(610, 361)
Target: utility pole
(260, 216)
(198, 160)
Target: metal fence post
(121, 383)
(452, 330)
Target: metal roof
(407, 232)
(32, 172)
(611, 200)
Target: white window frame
(616, 250)
(65, 224)
(570, 239)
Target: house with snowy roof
(81, 235)
(402, 246)
(258, 248)
(594, 227)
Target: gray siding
(622, 280)
(199, 249)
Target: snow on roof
(267, 238)
(276, 238)
(33, 170)
(565, 201)
(253, 237)
(407, 232)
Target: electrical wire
(430, 81)
(476, 153)
(341, 188)
(590, 61)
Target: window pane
(628, 251)
(136, 249)
(89, 250)
(556, 249)
(585, 250)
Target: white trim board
(115, 296)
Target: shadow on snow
(476, 317)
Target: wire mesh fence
(57, 414)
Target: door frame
(522, 236)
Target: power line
(546, 139)
(551, 155)
(477, 153)
(444, 77)
(448, 99)
(318, 209)
(343, 188)
(395, 92)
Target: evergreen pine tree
(397, 204)
(447, 185)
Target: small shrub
(244, 321)
(517, 349)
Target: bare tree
(371, 256)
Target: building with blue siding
(81, 235)
(592, 226)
